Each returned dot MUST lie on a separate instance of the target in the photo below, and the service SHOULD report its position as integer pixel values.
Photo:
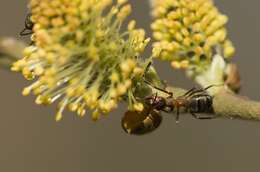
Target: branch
(10, 51)
(228, 104)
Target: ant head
(155, 101)
(150, 100)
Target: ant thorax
(178, 103)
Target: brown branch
(10, 51)
(228, 104)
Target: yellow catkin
(80, 57)
(193, 29)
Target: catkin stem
(10, 51)
(230, 105)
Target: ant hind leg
(191, 93)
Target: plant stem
(228, 104)
(231, 105)
(10, 51)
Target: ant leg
(203, 89)
(177, 115)
(24, 33)
(190, 91)
(203, 117)
(193, 91)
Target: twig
(228, 104)
(10, 51)
(232, 105)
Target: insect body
(193, 101)
(28, 26)
(143, 122)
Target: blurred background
(31, 141)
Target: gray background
(31, 141)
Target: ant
(28, 26)
(193, 101)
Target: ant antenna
(213, 85)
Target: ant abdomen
(200, 104)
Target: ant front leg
(193, 91)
